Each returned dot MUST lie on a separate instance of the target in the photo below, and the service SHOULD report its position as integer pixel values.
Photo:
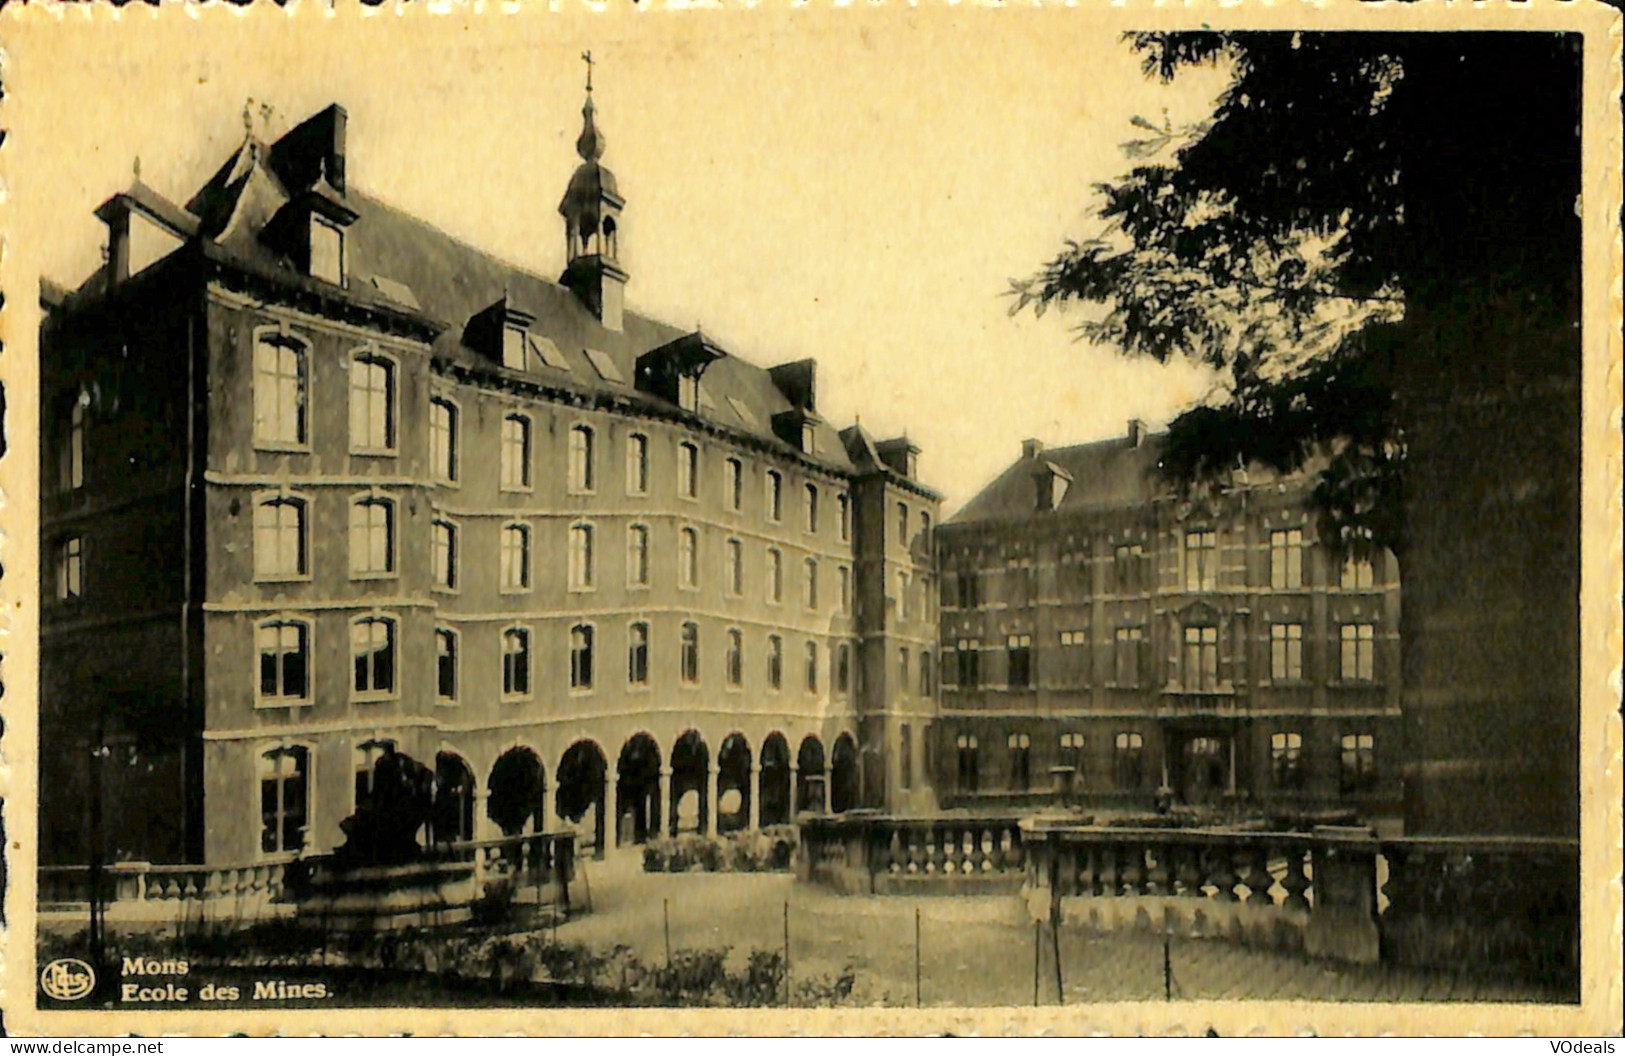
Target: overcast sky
(859, 190)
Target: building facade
(1103, 635)
(321, 481)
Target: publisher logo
(67, 979)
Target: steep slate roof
(451, 281)
(1105, 474)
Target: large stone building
(321, 479)
(1099, 630)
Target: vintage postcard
(897, 518)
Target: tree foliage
(1349, 190)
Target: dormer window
(688, 392)
(809, 438)
(326, 251)
(513, 347)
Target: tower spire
(590, 144)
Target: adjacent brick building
(320, 478)
(1101, 632)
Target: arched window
(516, 453)
(637, 555)
(688, 557)
(775, 661)
(637, 464)
(809, 591)
(445, 647)
(515, 557)
(690, 656)
(925, 674)
(280, 551)
(637, 654)
(372, 403)
(775, 496)
(284, 651)
(581, 466)
(515, 662)
(812, 667)
(581, 656)
(445, 555)
(735, 483)
(372, 648)
(443, 440)
(736, 567)
(735, 660)
(581, 557)
(71, 466)
(688, 471)
(284, 799)
(843, 667)
(775, 576)
(812, 508)
(844, 502)
(372, 536)
(281, 373)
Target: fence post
(917, 1001)
(1037, 945)
(665, 918)
(787, 953)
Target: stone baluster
(916, 849)
(1222, 875)
(1160, 877)
(1257, 878)
(1130, 869)
(1088, 869)
(1109, 870)
(1188, 872)
(933, 851)
(1295, 883)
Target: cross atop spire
(587, 58)
(590, 144)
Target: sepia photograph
(549, 515)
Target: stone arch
(773, 787)
(452, 818)
(733, 784)
(843, 775)
(517, 784)
(810, 791)
(581, 790)
(637, 790)
(690, 772)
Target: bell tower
(592, 224)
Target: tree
(1352, 196)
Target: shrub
(770, 850)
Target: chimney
(1031, 449)
(1136, 432)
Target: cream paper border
(36, 38)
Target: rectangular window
(71, 468)
(812, 508)
(688, 558)
(969, 655)
(902, 671)
(1201, 560)
(513, 347)
(1286, 759)
(688, 392)
(637, 556)
(970, 593)
(637, 654)
(844, 502)
(775, 496)
(775, 576)
(905, 757)
(372, 537)
(1126, 655)
(969, 765)
(1019, 657)
(812, 667)
(515, 662)
(902, 595)
(372, 404)
(1286, 652)
(279, 539)
(1358, 574)
(845, 576)
(809, 593)
(284, 807)
(581, 459)
(1359, 656)
(735, 483)
(1127, 762)
(516, 453)
(372, 644)
(734, 661)
(326, 252)
(1201, 659)
(1020, 768)
(581, 557)
(445, 555)
(637, 464)
(925, 675)
(1072, 755)
(280, 374)
(1358, 764)
(284, 648)
(902, 524)
(581, 656)
(445, 644)
(1286, 559)
(688, 471)
(443, 441)
(515, 556)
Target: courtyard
(976, 950)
